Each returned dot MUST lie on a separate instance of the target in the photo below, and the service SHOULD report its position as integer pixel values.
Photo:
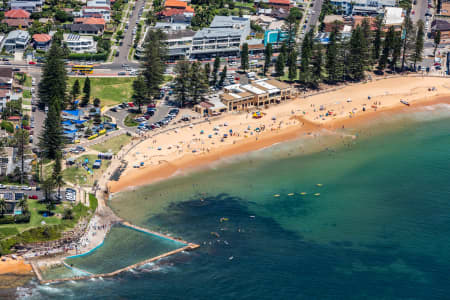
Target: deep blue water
(380, 228)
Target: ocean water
(359, 214)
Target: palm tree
(2, 207)
(23, 205)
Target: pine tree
(332, 64)
(437, 40)
(139, 92)
(396, 51)
(305, 71)
(223, 75)
(57, 172)
(207, 72)
(317, 65)
(216, 68)
(291, 28)
(267, 57)
(387, 47)
(366, 41)
(418, 47)
(279, 65)
(86, 92)
(51, 141)
(284, 51)
(53, 85)
(244, 57)
(154, 62)
(377, 40)
(182, 82)
(75, 89)
(356, 55)
(292, 66)
(408, 38)
(198, 84)
(21, 139)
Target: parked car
(35, 197)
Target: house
(19, 23)
(4, 98)
(179, 43)
(443, 26)
(6, 78)
(88, 29)
(80, 44)
(91, 21)
(225, 36)
(42, 41)
(98, 3)
(95, 11)
(28, 5)
(259, 93)
(445, 9)
(279, 14)
(17, 14)
(16, 40)
(284, 4)
(331, 20)
(211, 106)
(262, 20)
(393, 16)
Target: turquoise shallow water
(380, 228)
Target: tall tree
(377, 42)
(306, 53)
(57, 173)
(408, 38)
(317, 65)
(267, 57)
(291, 28)
(182, 82)
(366, 42)
(139, 92)
(396, 51)
(75, 89)
(223, 75)
(279, 65)
(3, 207)
(332, 66)
(356, 56)
(154, 62)
(86, 92)
(21, 139)
(53, 85)
(387, 48)
(51, 141)
(207, 71)
(198, 84)
(418, 49)
(216, 68)
(244, 57)
(437, 40)
(292, 66)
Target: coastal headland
(180, 149)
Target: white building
(364, 7)
(393, 16)
(80, 44)
(225, 36)
(94, 11)
(16, 40)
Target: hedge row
(89, 56)
(25, 218)
(8, 126)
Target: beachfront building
(80, 44)
(363, 7)
(211, 106)
(178, 43)
(257, 94)
(224, 37)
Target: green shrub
(8, 126)
(88, 56)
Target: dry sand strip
(193, 146)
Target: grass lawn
(285, 77)
(113, 144)
(26, 94)
(129, 120)
(80, 175)
(26, 102)
(110, 90)
(28, 81)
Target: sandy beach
(165, 154)
(15, 266)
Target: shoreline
(189, 162)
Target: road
(419, 10)
(129, 37)
(314, 17)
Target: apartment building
(16, 40)
(179, 43)
(363, 7)
(80, 44)
(28, 5)
(94, 11)
(257, 94)
(225, 36)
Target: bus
(84, 69)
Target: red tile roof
(41, 37)
(175, 4)
(17, 14)
(97, 7)
(17, 22)
(285, 2)
(14, 118)
(90, 20)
